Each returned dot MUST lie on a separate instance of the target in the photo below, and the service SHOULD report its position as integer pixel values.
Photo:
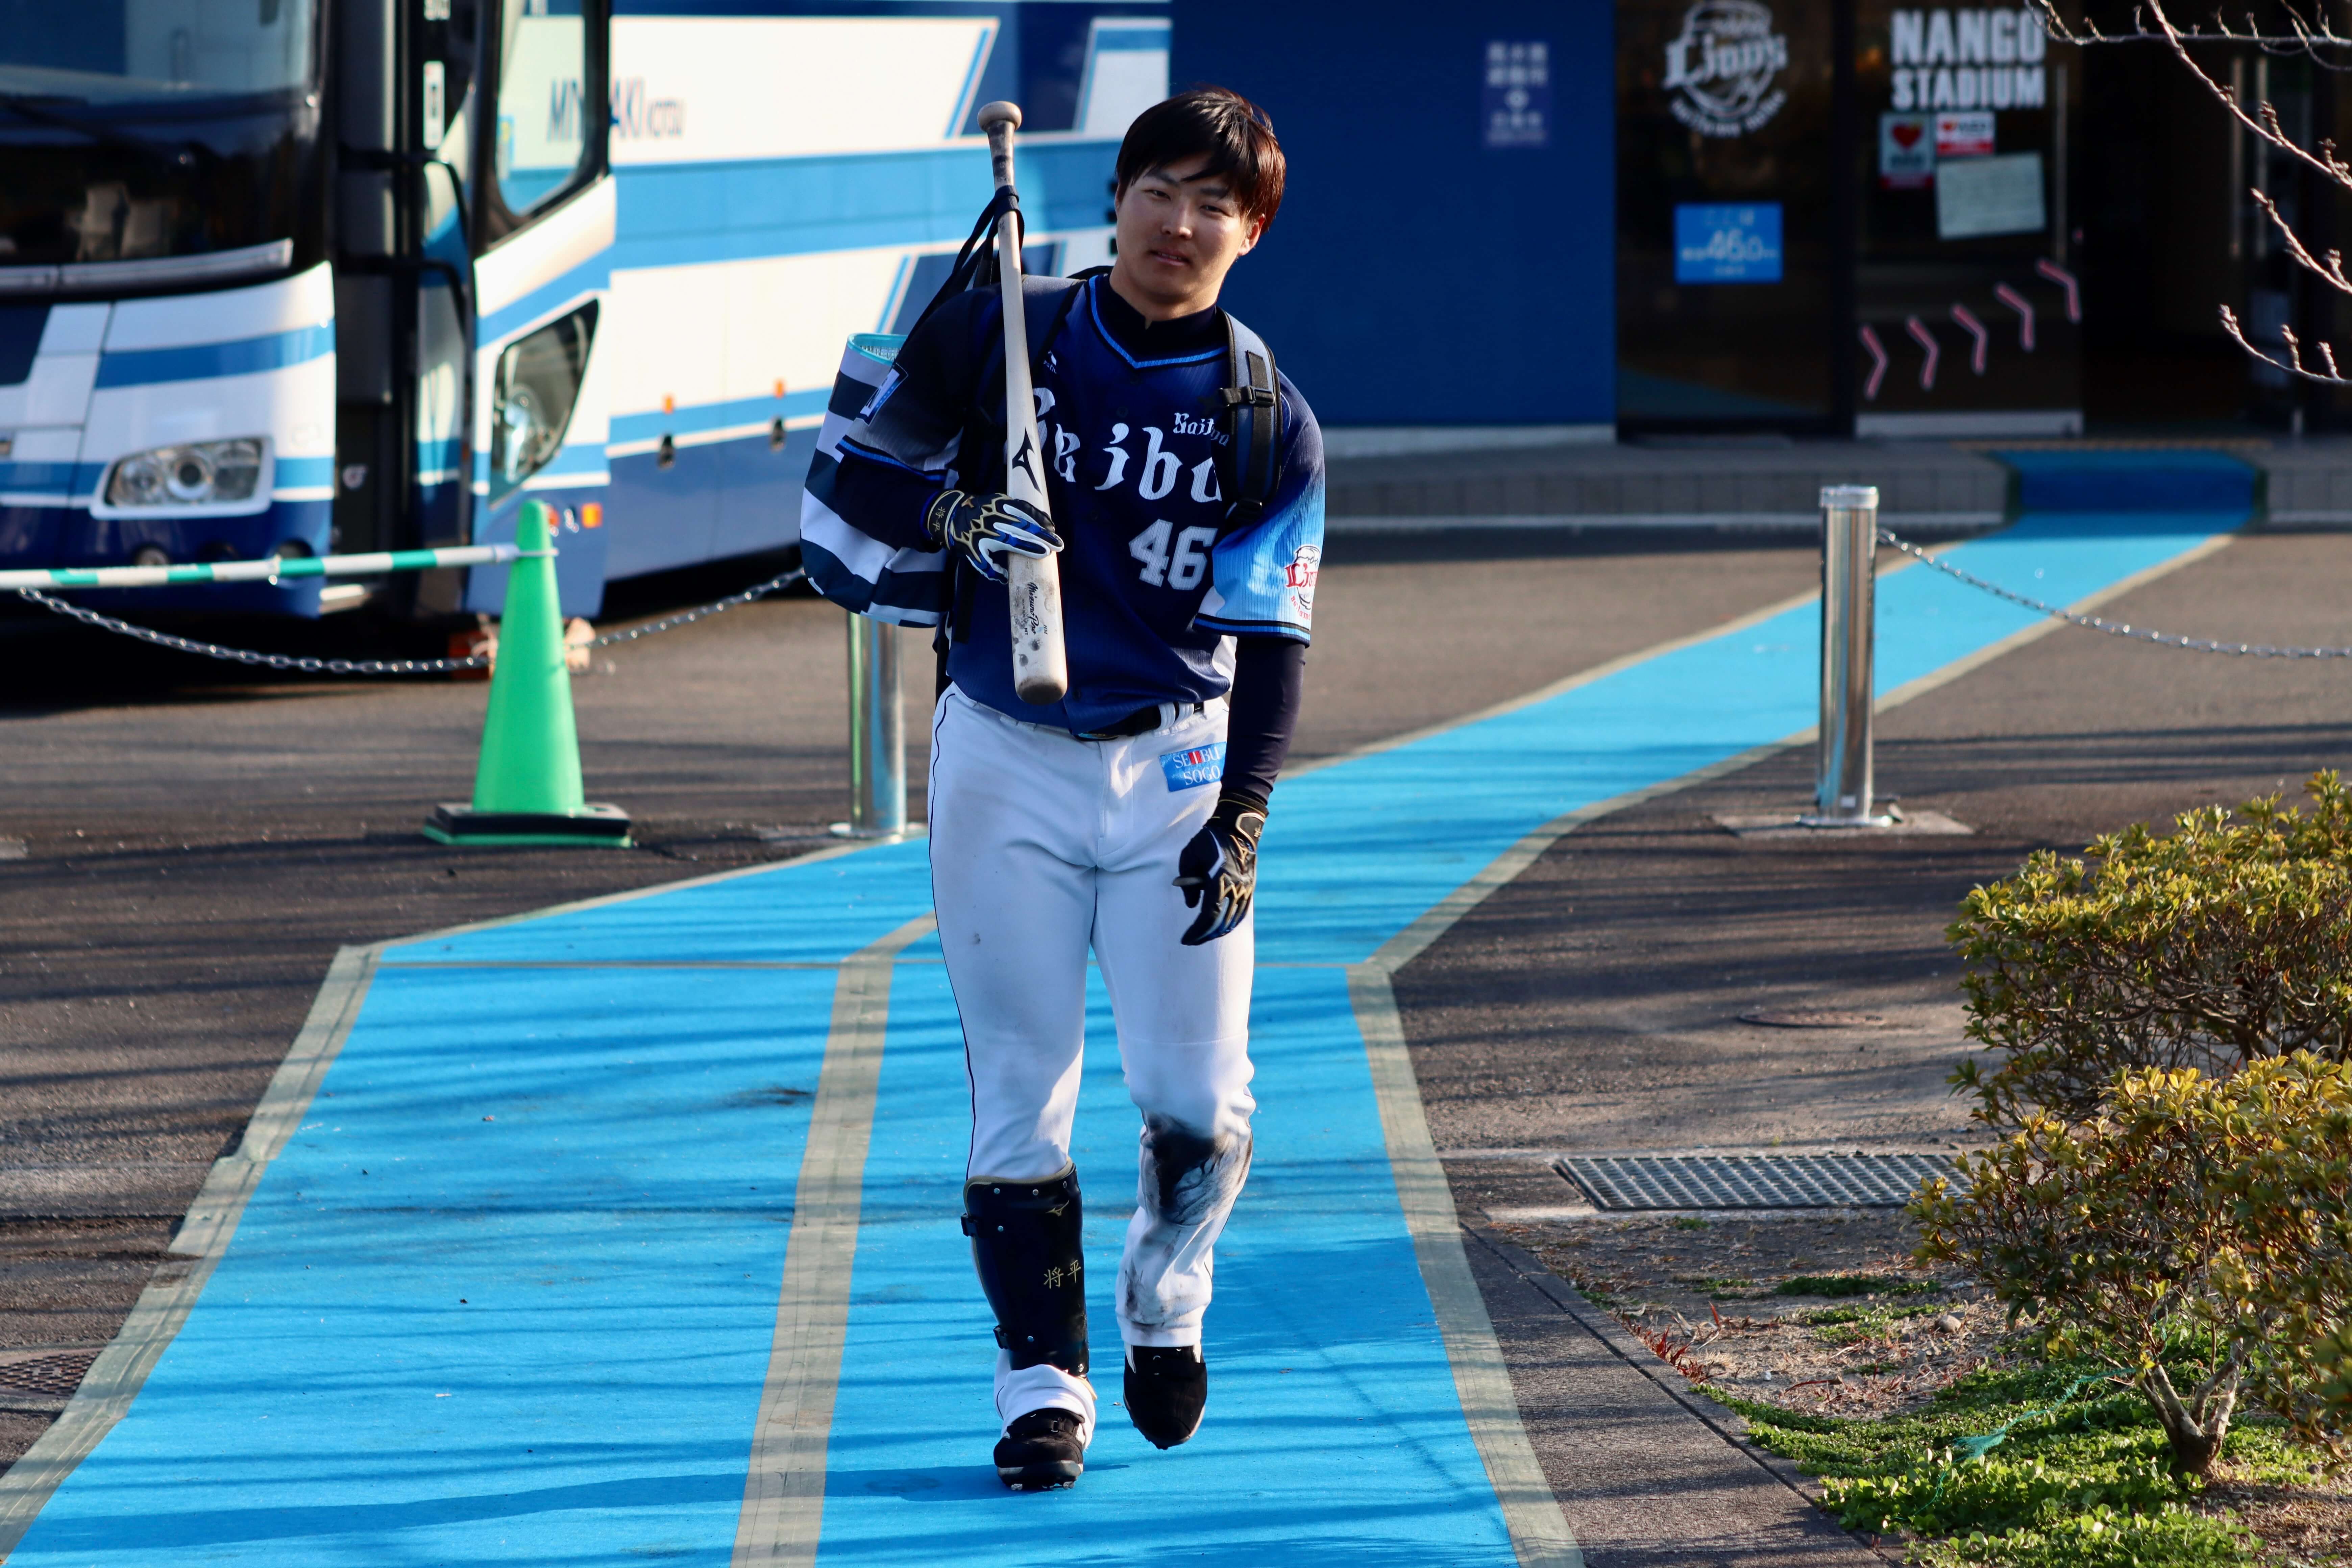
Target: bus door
(543, 223)
(474, 222)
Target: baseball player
(1124, 819)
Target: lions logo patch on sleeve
(1190, 769)
(1299, 578)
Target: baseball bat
(1041, 666)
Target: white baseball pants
(1041, 847)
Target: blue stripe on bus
(203, 362)
(1130, 38)
(574, 284)
(675, 215)
(36, 476)
(587, 460)
(81, 479)
(305, 471)
(696, 418)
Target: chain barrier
(775, 584)
(2113, 628)
(312, 664)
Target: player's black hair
(1218, 123)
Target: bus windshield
(153, 130)
(97, 51)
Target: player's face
(1178, 232)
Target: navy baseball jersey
(1154, 578)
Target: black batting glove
(1218, 869)
(988, 528)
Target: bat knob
(992, 115)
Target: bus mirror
(538, 384)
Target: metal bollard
(877, 734)
(1842, 795)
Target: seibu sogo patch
(1190, 769)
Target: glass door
(1969, 294)
(1726, 260)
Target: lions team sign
(1723, 71)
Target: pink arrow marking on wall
(2065, 279)
(1926, 339)
(1879, 362)
(1975, 329)
(2024, 309)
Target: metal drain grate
(1752, 1181)
(55, 1375)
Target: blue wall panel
(1415, 276)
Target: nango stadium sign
(1968, 59)
(1723, 68)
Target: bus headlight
(200, 473)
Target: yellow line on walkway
(1539, 1532)
(783, 1497)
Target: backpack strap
(1061, 314)
(1253, 422)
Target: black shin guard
(1026, 1245)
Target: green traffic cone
(526, 789)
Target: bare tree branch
(2308, 37)
(2331, 271)
(2265, 125)
(2303, 37)
(2292, 363)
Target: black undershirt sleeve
(1269, 677)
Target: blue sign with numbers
(1728, 242)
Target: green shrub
(2225, 942)
(2184, 1211)
(2289, 1279)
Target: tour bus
(299, 276)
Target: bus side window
(543, 111)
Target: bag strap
(976, 250)
(1253, 423)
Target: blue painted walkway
(507, 1297)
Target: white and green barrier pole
(270, 569)
(527, 787)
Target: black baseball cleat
(1167, 1389)
(1040, 1451)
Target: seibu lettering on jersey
(1154, 576)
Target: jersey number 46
(1190, 563)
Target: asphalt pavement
(1594, 1003)
(195, 847)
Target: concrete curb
(1724, 1423)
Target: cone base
(591, 826)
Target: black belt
(1142, 721)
